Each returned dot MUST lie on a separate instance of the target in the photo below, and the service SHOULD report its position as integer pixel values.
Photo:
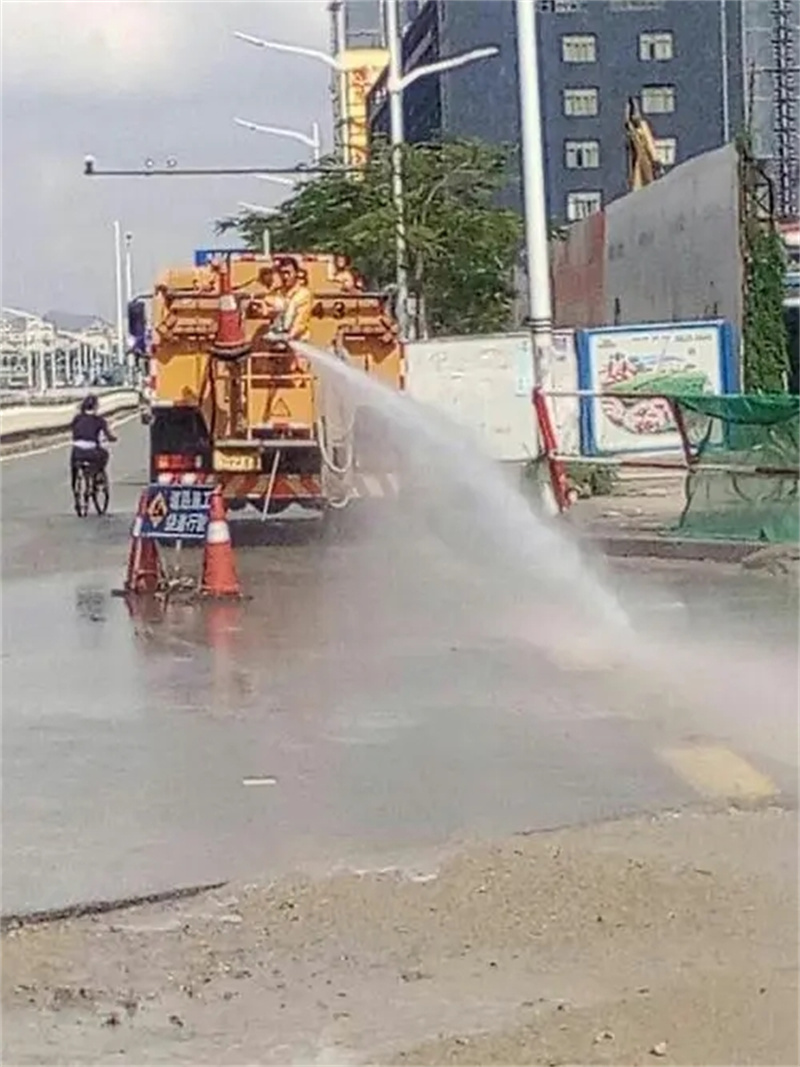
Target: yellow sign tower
(361, 69)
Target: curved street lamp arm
(280, 131)
(292, 49)
(258, 209)
(274, 178)
(447, 64)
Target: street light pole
(394, 86)
(536, 244)
(130, 357)
(316, 142)
(397, 83)
(258, 209)
(128, 267)
(41, 359)
(118, 285)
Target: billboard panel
(362, 68)
(653, 360)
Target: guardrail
(13, 398)
(31, 420)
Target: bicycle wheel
(80, 493)
(100, 493)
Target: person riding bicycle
(88, 427)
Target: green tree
(764, 329)
(766, 342)
(461, 247)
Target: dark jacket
(89, 427)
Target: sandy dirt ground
(669, 939)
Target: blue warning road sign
(203, 256)
(176, 513)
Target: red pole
(558, 473)
(680, 422)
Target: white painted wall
(482, 384)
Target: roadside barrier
(32, 420)
(740, 455)
(179, 517)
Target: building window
(560, 7)
(582, 155)
(580, 102)
(655, 46)
(579, 205)
(666, 151)
(376, 100)
(623, 6)
(658, 99)
(579, 48)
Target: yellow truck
(230, 401)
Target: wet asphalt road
(375, 699)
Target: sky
(128, 80)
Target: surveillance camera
(88, 165)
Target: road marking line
(25, 453)
(718, 772)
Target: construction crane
(643, 163)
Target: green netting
(743, 483)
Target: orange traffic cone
(144, 566)
(219, 566)
(230, 342)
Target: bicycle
(90, 486)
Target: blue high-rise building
(682, 60)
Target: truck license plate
(235, 461)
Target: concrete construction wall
(670, 252)
(672, 249)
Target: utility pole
(130, 358)
(339, 81)
(128, 267)
(536, 244)
(118, 285)
(397, 136)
